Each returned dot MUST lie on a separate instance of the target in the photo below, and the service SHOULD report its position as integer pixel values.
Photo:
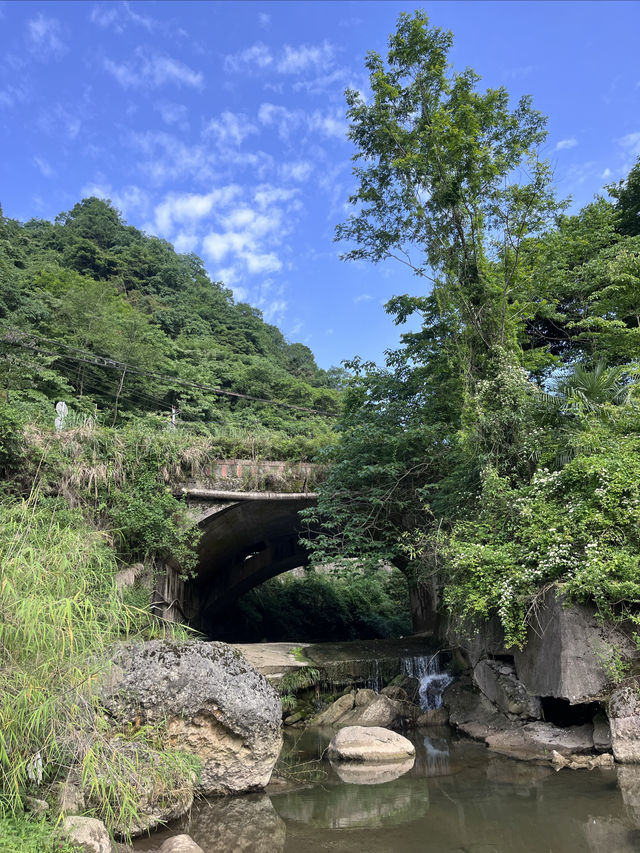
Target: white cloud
(294, 60)
(152, 71)
(117, 17)
(606, 174)
(571, 142)
(185, 243)
(331, 123)
(230, 128)
(264, 20)
(363, 297)
(263, 263)
(45, 35)
(256, 56)
(45, 168)
(631, 142)
(299, 171)
(191, 207)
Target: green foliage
(497, 453)
(60, 613)
(351, 606)
(27, 834)
(11, 440)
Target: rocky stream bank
(555, 704)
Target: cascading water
(433, 680)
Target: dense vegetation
(116, 323)
(496, 453)
(318, 606)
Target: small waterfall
(433, 680)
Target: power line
(29, 341)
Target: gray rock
(369, 743)
(70, 798)
(629, 784)
(475, 642)
(214, 705)
(565, 652)
(395, 692)
(333, 713)
(624, 719)
(435, 717)
(499, 683)
(382, 711)
(471, 711)
(180, 844)
(36, 806)
(158, 799)
(364, 697)
(601, 733)
(87, 833)
(537, 741)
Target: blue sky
(221, 127)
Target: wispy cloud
(152, 71)
(230, 128)
(363, 297)
(130, 200)
(564, 144)
(45, 168)
(290, 60)
(60, 121)
(296, 59)
(257, 56)
(116, 17)
(11, 95)
(173, 114)
(45, 37)
(631, 142)
(331, 123)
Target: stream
(458, 798)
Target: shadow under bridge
(246, 538)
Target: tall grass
(60, 614)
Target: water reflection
(353, 773)
(457, 797)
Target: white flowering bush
(577, 527)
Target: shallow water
(457, 798)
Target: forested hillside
(117, 324)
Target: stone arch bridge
(246, 538)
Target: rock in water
(180, 844)
(624, 718)
(369, 743)
(215, 705)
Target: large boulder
(566, 652)
(376, 711)
(624, 719)
(538, 741)
(369, 743)
(213, 703)
(499, 683)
